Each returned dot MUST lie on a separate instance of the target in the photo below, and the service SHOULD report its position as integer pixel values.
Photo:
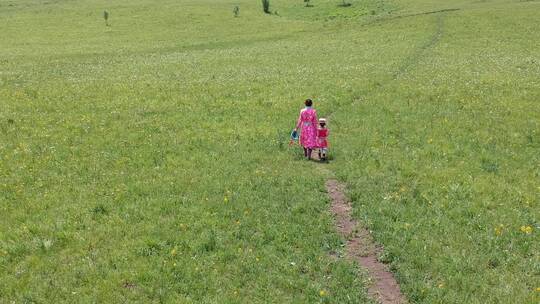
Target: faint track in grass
(386, 19)
(414, 58)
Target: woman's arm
(298, 122)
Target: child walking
(322, 142)
(307, 122)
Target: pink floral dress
(307, 123)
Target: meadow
(148, 160)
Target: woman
(307, 122)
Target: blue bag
(294, 135)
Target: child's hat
(322, 120)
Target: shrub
(106, 17)
(236, 11)
(266, 6)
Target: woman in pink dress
(307, 123)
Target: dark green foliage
(489, 166)
(106, 17)
(236, 11)
(266, 6)
(99, 209)
(344, 4)
(209, 242)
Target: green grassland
(147, 161)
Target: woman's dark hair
(309, 102)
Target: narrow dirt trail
(360, 246)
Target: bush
(266, 6)
(106, 17)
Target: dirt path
(361, 248)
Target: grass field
(147, 161)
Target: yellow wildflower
(322, 293)
(526, 229)
(499, 230)
(225, 199)
(537, 289)
(174, 251)
(441, 285)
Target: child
(322, 142)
